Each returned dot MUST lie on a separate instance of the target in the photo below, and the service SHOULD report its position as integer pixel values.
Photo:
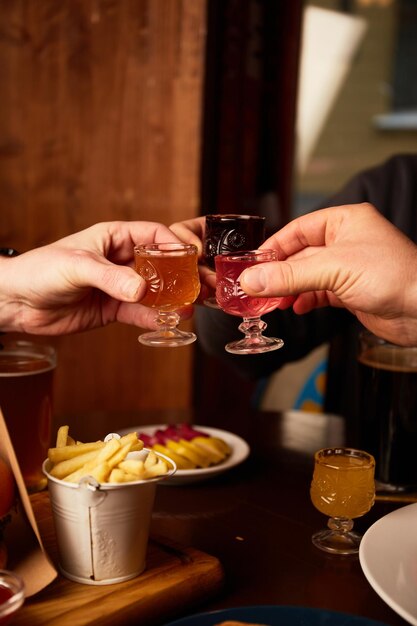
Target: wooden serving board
(175, 578)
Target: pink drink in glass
(229, 294)
(233, 300)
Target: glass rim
(320, 456)
(164, 248)
(226, 217)
(15, 584)
(266, 254)
(22, 348)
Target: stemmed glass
(171, 273)
(226, 233)
(232, 299)
(343, 487)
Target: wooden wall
(100, 116)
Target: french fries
(106, 461)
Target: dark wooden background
(140, 109)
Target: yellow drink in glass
(343, 487)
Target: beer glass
(171, 273)
(233, 300)
(343, 487)
(387, 411)
(26, 389)
(228, 233)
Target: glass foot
(172, 338)
(211, 302)
(254, 345)
(337, 542)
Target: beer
(388, 411)
(26, 381)
(228, 233)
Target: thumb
(290, 277)
(119, 282)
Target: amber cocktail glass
(343, 487)
(171, 273)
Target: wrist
(6, 319)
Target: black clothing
(392, 189)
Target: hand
(83, 281)
(192, 231)
(348, 256)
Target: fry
(62, 436)
(55, 455)
(110, 447)
(101, 472)
(67, 467)
(131, 466)
(119, 456)
(133, 439)
(151, 459)
(105, 461)
(119, 476)
(157, 469)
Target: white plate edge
(370, 576)
(236, 457)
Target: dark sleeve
(300, 333)
(391, 187)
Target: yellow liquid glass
(343, 487)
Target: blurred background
(166, 109)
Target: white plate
(240, 451)
(388, 557)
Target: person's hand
(192, 231)
(348, 256)
(83, 281)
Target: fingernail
(255, 279)
(132, 288)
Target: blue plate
(276, 616)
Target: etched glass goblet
(343, 487)
(171, 273)
(233, 300)
(226, 233)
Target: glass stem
(167, 320)
(252, 328)
(340, 525)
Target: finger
(318, 228)
(137, 315)
(119, 282)
(285, 278)
(191, 231)
(145, 317)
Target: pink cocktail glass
(233, 300)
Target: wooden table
(257, 519)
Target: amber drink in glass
(171, 273)
(343, 488)
(26, 394)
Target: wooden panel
(100, 113)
